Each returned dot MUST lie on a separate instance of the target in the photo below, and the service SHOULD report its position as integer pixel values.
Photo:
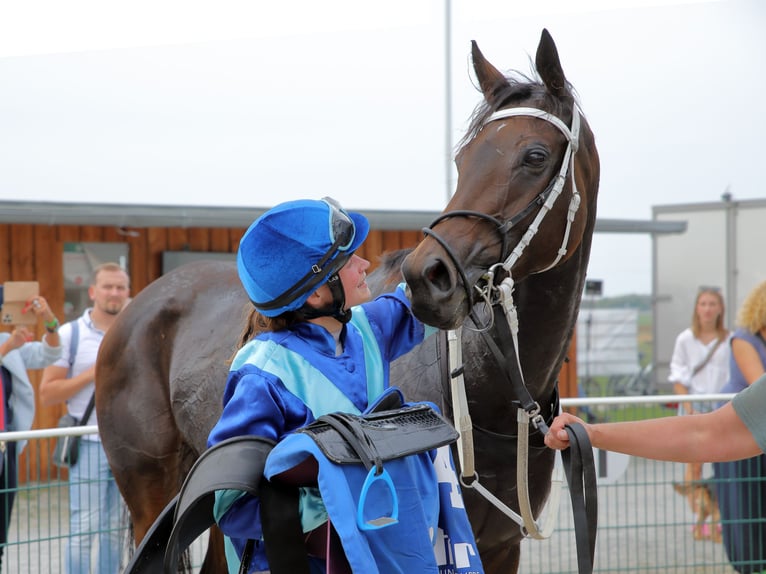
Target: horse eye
(535, 158)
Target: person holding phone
(19, 352)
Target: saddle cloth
(432, 535)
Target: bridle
(501, 294)
(543, 203)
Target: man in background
(94, 501)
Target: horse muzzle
(438, 296)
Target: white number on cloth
(445, 473)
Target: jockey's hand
(557, 436)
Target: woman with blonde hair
(741, 484)
(730, 433)
(700, 361)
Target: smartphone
(13, 298)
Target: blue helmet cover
(282, 245)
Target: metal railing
(39, 527)
(644, 525)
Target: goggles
(341, 233)
(342, 230)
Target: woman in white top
(700, 362)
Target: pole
(448, 98)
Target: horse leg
(148, 480)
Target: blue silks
(432, 535)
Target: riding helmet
(293, 249)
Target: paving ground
(644, 526)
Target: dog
(704, 505)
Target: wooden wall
(35, 253)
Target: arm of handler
(712, 437)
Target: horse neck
(548, 305)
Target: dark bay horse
(524, 211)
(162, 366)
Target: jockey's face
(353, 277)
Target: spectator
(700, 362)
(94, 500)
(741, 484)
(19, 353)
(735, 431)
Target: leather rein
(580, 470)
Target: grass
(603, 386)
(640, 412)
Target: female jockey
(314, 344)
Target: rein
(580, 469)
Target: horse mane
(520, 88)
(388, 273)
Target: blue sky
(244, 103)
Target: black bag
(67, 447)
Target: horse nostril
(437, 275)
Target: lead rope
(523, 419)
(469, 478)
(577, 461)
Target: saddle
(238, 463)
(378, 437)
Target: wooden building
(33, 237)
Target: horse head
(526, 193)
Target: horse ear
(492, 82)
(549, 67)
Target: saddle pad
(392, 434)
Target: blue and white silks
(284, 380)
(432, 536)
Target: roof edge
(141, 216)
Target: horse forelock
(521, 89)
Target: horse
(162, 366)
(522, 216)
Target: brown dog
(703, 502)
